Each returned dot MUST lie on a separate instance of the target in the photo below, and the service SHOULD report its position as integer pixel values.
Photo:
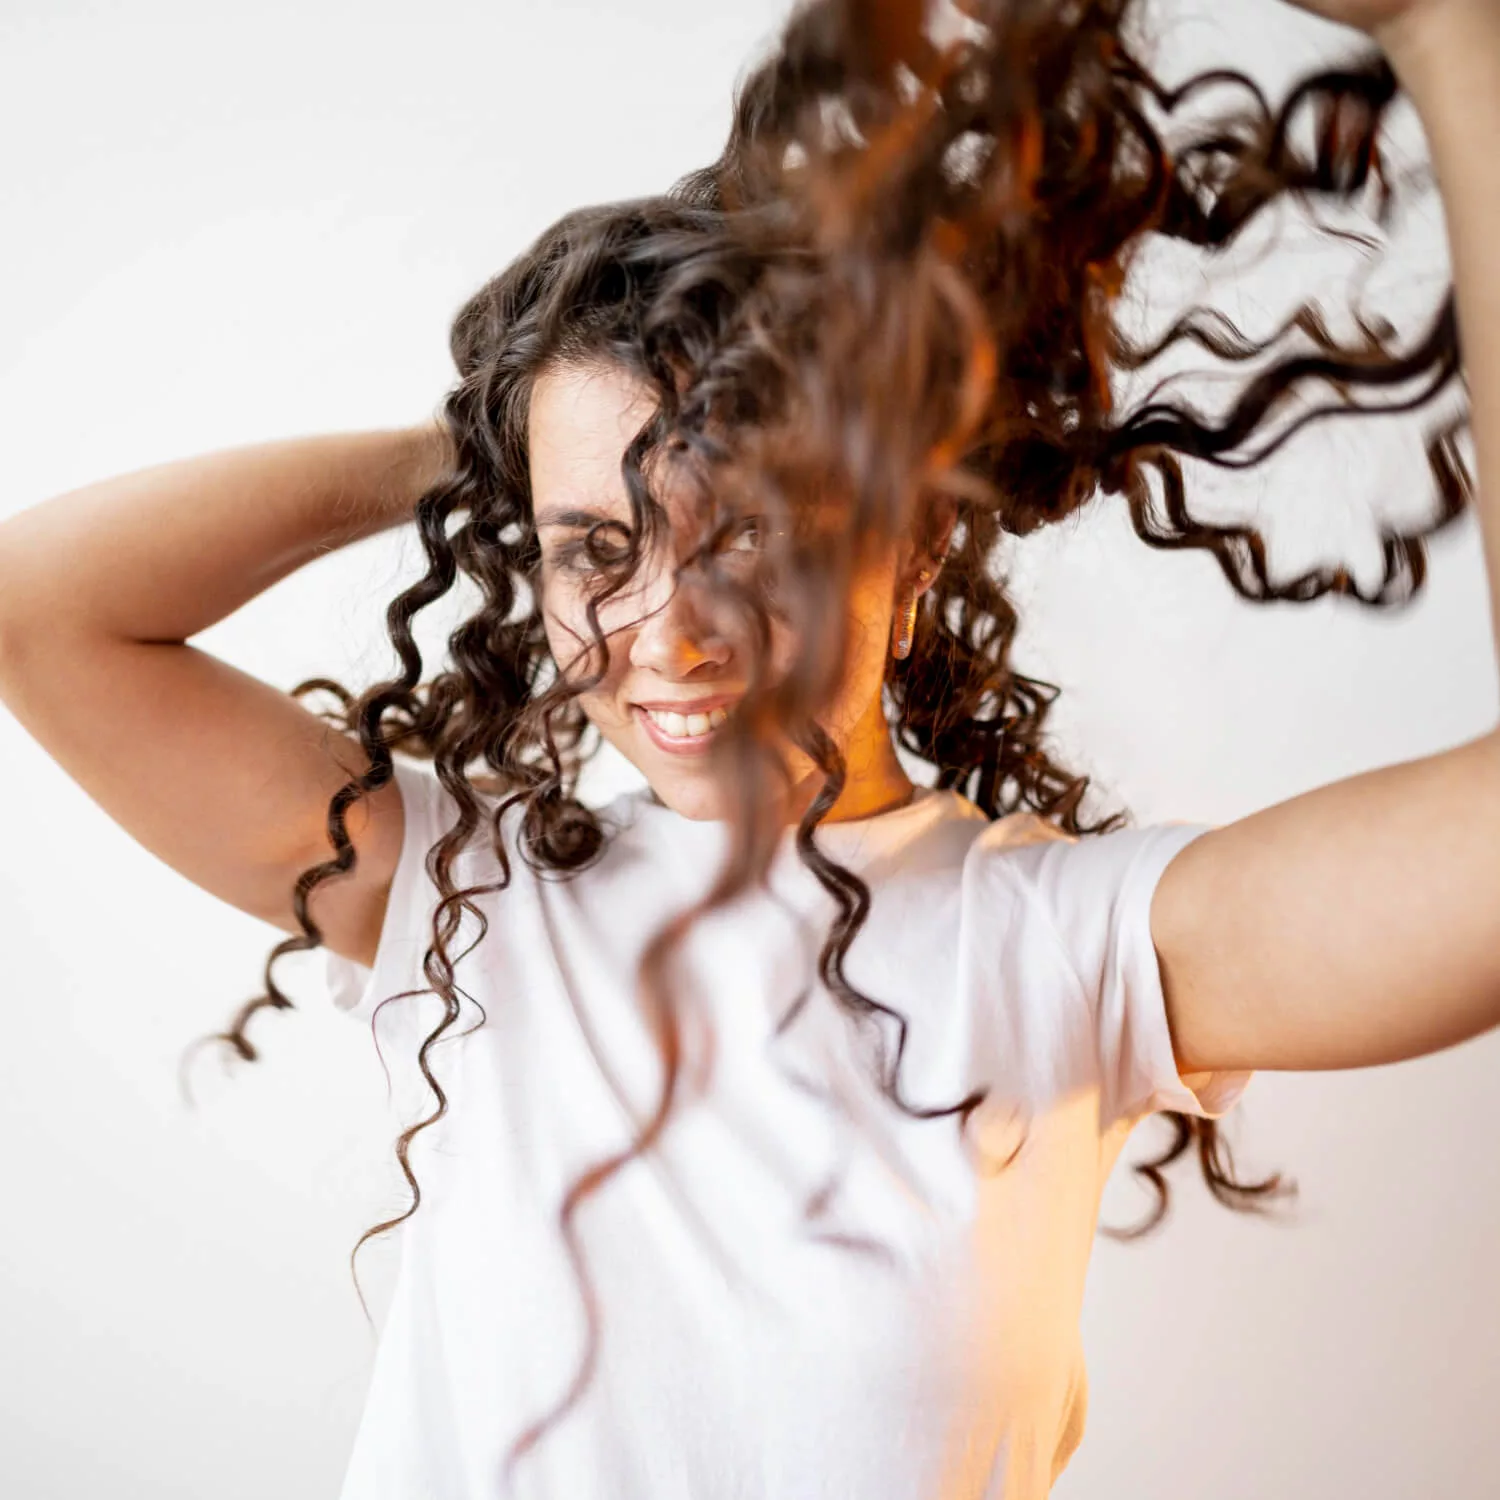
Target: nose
(675, 636)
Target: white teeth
(683, 727)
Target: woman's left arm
(1359, 923)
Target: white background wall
(227, 224)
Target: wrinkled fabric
(801, 1290)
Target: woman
(807, 1211)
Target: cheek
(566, 627)
(785, 644)
(870, 614)
(571, 642)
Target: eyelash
(572, 558)
(565, 558)
(755, 524)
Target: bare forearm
(162, 553)
(1447, 54)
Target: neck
(875, 781)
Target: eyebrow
(579, 520)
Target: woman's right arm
(222, 776)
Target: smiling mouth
(678, 733)
(686, 726)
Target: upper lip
(686, 706)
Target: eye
(605, 545)
(744, 536)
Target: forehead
(582, 418)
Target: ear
(930, 545)
(942, 518)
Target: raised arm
(218, 774)
(1360, 923)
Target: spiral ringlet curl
(1030, 160)
(897, 286)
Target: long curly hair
(899, 286)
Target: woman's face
(674, 672)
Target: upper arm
(1354, 925)
(220, 775)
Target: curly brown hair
(898, 286)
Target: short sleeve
(1096, 891)
(355, 988)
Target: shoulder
(433, 811)
(1088, 889)
(1020, 830)
(1036, 851)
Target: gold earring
(902, 648)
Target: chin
(701, 799)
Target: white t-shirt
(802, 1292)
